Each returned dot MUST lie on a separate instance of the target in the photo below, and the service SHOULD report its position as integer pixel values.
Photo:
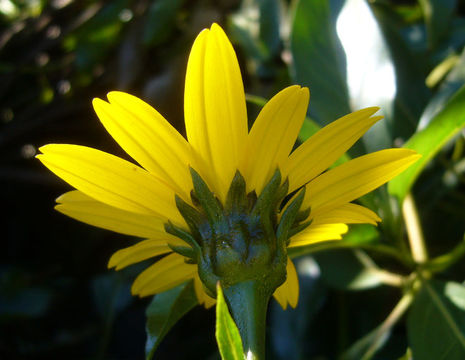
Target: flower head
(216, 205)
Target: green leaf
(260, 39)
(259, 36)
(160, 21)
(111, 293)
(455, 292)
(429, 141)
(96, 37)
(348, 269)
(367, 346)
(438, 16)
(164, 311)
(319, 59)
(227, 334)
(436, 325)
(445, 261)
(452, 82)
(407, 355)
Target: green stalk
(248, 303)
(414, 231)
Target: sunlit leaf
(452, 82)
(429, 141)
(227, 334)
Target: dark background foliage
(57, 298)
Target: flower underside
(242, 239)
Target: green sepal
(280, 195)
(184, 251)
(302, 215)
(183, 235)
(206, 199)
(192, 216)
(236, 200)
(297, 229)
(265, 204)
(252, 200)
(289, 217)
(194, 199)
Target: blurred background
(57, 298)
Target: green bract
(243, 240)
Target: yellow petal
(273, 135)
(148, 138)
(348, 214)
(288, 293)
(165, 274)
(214, 107)
(111, 180)
(326, 146)
(83, 208)
(356, 177)
(316, 233)
(202, 296)
(136, 253)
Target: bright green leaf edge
(227, 334)
(429, 141)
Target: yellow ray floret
(273, 135)
(288, 293)
(317, 233)
(356, 177)
(148, 138)
(214, 105)
(348, 214)
(143, 250)
(165, 274)
(111, 180)
(203, 298)
(81, 207)
(322, 149)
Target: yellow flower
(118, 195)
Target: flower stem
(248, 303)
(377, 337)
(415, 234)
